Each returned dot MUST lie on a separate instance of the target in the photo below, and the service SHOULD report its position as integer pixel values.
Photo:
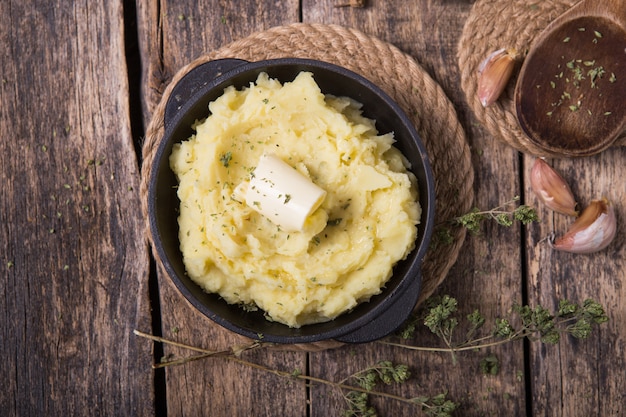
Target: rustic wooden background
(79, 82)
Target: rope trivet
(423, 100)
(495, 24)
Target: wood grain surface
(79, 83)
(74, 257)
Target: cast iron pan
(189, 101)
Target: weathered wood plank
(182, 31)
(582, 377)
(74, 263)
(174, 33)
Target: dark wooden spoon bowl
(570, 96)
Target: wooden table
(79, 82)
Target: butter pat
(280, 193)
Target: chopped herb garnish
(226, 158)
(595, 74)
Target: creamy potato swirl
(348, 246)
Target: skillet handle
(195, 79)
(390, 320)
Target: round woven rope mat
(423, 100)
(495, 24)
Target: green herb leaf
(225, 159)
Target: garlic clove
(494, 74)
(552, 189)
(592, 231)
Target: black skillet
(383, 313)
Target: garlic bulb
(551, 189)
(494, 74)
(592, 231)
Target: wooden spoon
(570, 96)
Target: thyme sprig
(442, 318)
(358, 401)
(356, 395)
(384, 371)
(234, 351)
(365, 381)
(533, 323)
(506, 214)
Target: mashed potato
(347, 249)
